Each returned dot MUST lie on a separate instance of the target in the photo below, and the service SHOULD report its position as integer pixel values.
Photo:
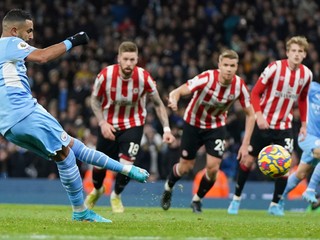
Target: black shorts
(193, 138)
(262, 138)
(127, 143)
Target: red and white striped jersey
(123, 100)
(209, 105)
(276, 91)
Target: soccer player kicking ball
(214, 91)
(27, 124)
(281, 84)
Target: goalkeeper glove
(80, 38)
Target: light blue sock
(293, 181)
(94, 157)
(71, 181)
(315, 178)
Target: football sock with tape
(71, 181)
(120, 183)
(243, 174)
(279, 186)
(174, 176)
(204, 186)
(98, 175)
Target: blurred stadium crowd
(177, 39)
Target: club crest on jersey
(113, 89)
(22, 45)
(135, 91)
(231, 97)
(281, 78)
(300, 81)
(64, 136)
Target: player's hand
(168, 137)
(302, 133)
(80, 38)
(243, 152)
(107, 131)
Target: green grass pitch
(54, 222)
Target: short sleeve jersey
(209, 105)
(123, 100)
(16, 101)
(282, 87)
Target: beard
(126, 72)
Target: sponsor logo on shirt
(286, 95)
(214, 102)
(124, 103)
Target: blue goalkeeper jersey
(16, 101)
(313, 120)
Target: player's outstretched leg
(99, 159)
(89, 216)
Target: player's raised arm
(47, 54)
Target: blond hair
(228, 54)
(128, 47)
(300, 40)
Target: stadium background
(177, 39)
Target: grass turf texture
(54, 222)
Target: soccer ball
(274, 161)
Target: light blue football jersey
(313, 120)
(16, 101)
